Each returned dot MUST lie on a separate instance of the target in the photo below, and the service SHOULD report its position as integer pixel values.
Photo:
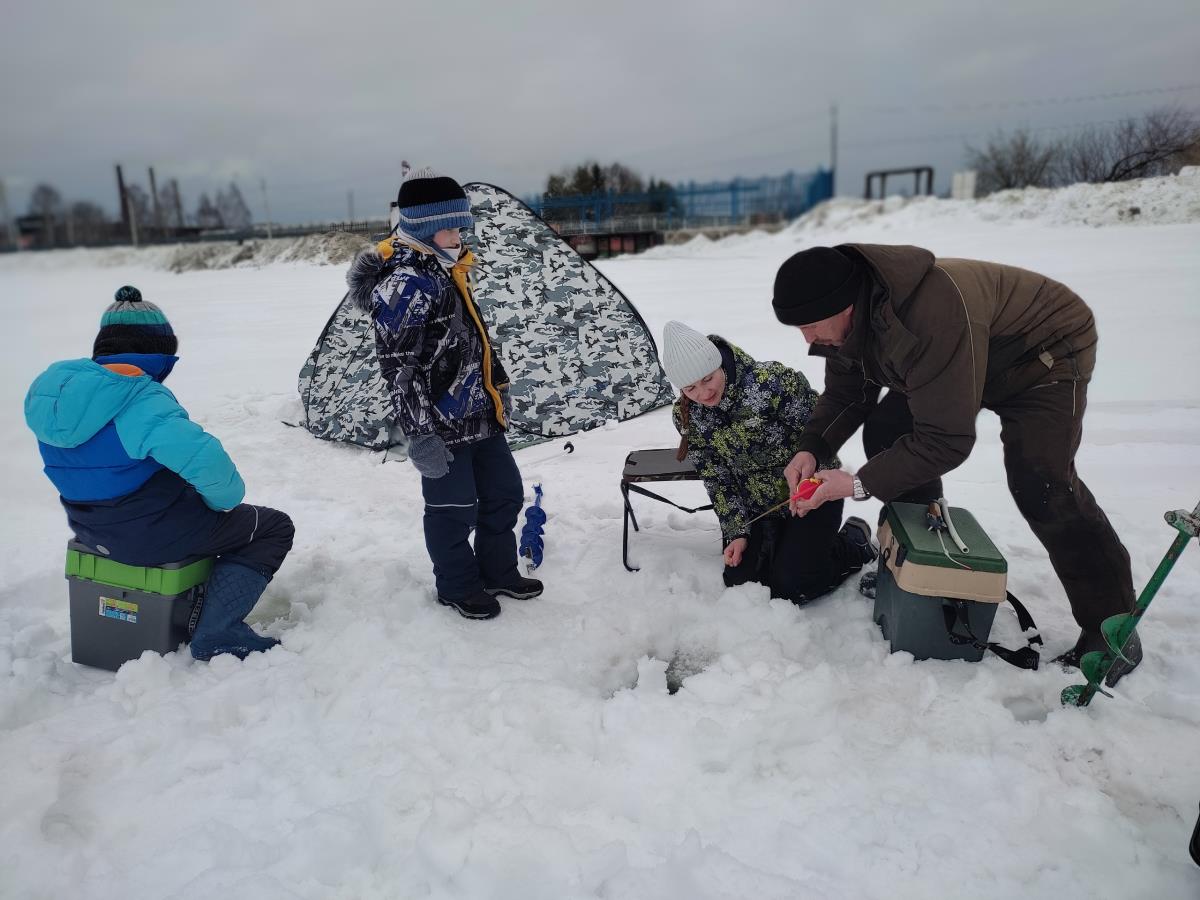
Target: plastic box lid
(922, 546)
(168, 579)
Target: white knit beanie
(687, 354)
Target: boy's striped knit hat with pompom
(131, 325)
(429, 202)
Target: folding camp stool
(651, 465)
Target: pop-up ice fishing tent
(577, 351)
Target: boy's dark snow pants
(483, 491)
(257, 537)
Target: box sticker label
(123, 610)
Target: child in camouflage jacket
(739, 421)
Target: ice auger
(1118, 629)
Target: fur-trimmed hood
(373, 265)
(365, 272)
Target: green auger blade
(1081, 694)
(1116, 631)
(1073, 695)
(1095, 666)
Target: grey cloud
(321, 99)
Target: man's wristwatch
(860, 492)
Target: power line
(802, 118)
(1026, 101)
(784, 125)
(963, 135)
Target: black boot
(868, 584)
(857, 536)
(479, 605)
(1090, 641)
(521, 589)
(232, 591)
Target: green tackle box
(931, 599)
(120, 611)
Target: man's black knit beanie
(815, 284)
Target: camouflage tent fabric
(577, 351)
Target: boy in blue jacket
(144, 485)
(449, 392)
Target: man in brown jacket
(948, 337)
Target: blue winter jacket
(131, 467)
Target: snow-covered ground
(392, 749)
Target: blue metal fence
(742, 201)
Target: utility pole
(262, 183)
(123, 201)
(133, 222)
(350, 204)
(833, 147)
(9, 228)
(158, 222)
(178, 201)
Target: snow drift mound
(1171, 200)
(331, 248)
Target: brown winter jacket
(954, 335)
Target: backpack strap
(1024, 658)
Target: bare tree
(89, 222)
(208, 215)
(234, 211)
(1014, 160)
(140, 208)
(171, 205)
(47, 203)
(1159, 143)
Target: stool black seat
(642, 466)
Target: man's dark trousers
(1041, 428)
(483, 491)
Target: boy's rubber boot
(521, 589)
(232, 591)
(479, 605)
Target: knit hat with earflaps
(131, 325)
(687, 354)
(429, 202)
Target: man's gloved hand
(429, 454)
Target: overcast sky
(323, 99)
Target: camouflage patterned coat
(435, 354)
(741, 446)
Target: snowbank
(330, 248)
(1170, 200)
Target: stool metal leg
(625, 529)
